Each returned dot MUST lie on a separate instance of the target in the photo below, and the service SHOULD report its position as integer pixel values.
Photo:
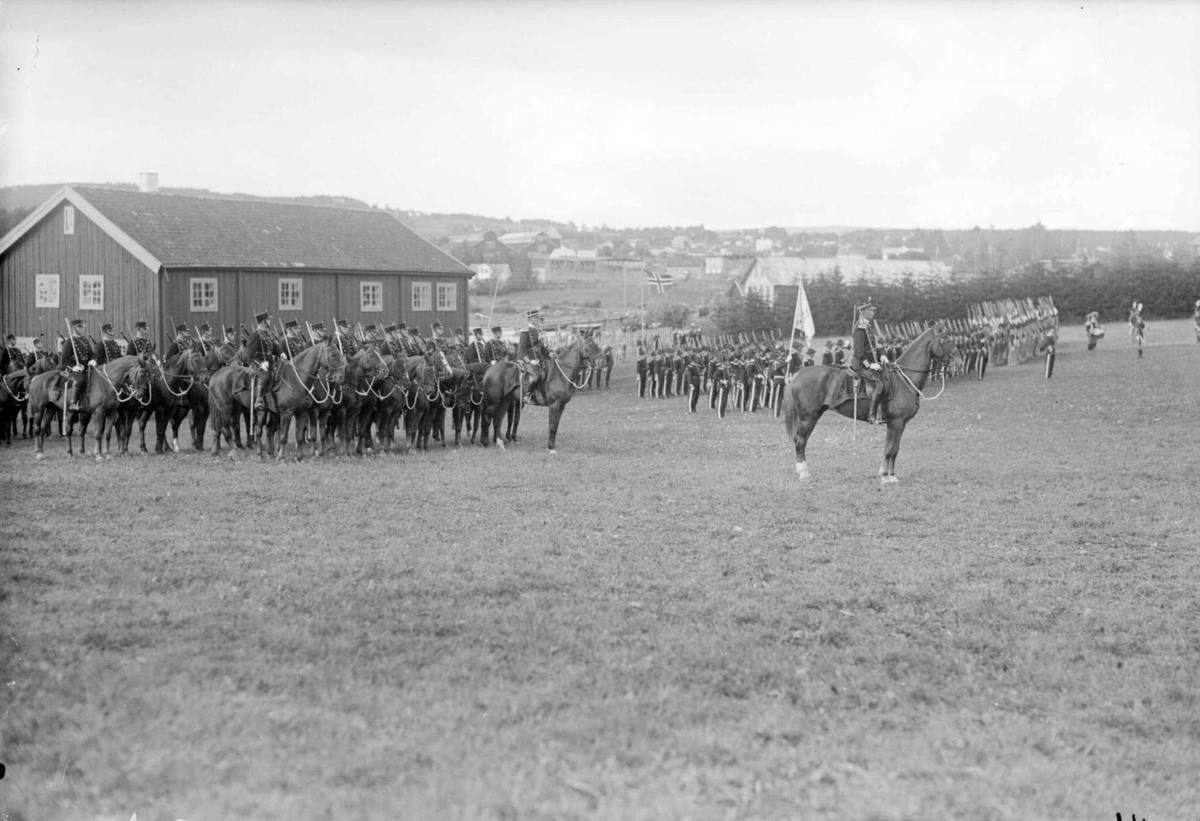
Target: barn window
(371, 296)
(91, 292)
(447, 296)
(204, 294)
(422, 296)
(291, 295)
(69, 219)
(47, 291)
(490, 244)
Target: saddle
(841, 389)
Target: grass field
(658, 622)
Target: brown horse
(815, 390)
(231, 392)
(503, 387)
(313, 369)
(171, 386)
(122, 382)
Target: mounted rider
(107, 349)
(11, 357)
(318, 332)
(74, 360)
(476, 349)
(293, 341)
(497, 349)
(183, 341)
(140, 343)
(532, 355)
(348, 342)
(864, 362)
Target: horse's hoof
(39, 456)
(802, 471)
(553, 451)
(500, 444)
(888, 479)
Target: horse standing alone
(815, 390)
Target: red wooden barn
(105, 254)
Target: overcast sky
(746, 114)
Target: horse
(231, 393)
(503, 388)
(389, 403)
(170, 399)
(293, 391)
(124, 380)
(13, 402)
(815, 389)
(424, 392)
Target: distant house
(525, 243)
(482, 247)
(767, 274)
(104, 254)
(681, 243)
(488, 276)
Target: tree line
(1166, 289)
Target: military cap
(106, 327)
(477, 331)
(205, 328)
(391, 329)
(76, 323)
(370, 328)
(141, 325)
(497, 329)
(290, 324)
(11, 337)
(342, 323)
(437, 326)
(263, 317)
(181, 328)
(229, 331)
(458, 332)
(317, 326)
(403, 325)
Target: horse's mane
(932, 330)
(119, 368)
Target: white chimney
(148, 182)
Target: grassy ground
(656, 623)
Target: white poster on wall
(47, 290)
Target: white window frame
(204, 303)
(370, 296)
(294, 286)
(447, 296)
(47, 293)
(68, 220)
(93, 286)
(422, 296)
(489, 244)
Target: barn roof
(200, 232)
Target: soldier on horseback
(532, 354)
(140, 343)
(476, 352)
(864, 362)
(183, 341)
(107, 349)
(74, 360)
(11, 357)
(496, 350)
(348, 342)
(293, 342)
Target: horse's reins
(902, 370)
(19, 399)
(103, 370)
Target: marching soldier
(140, 342)
(107, 349)
(863, 361)
(74, 360)
(182, 342)
(348, 342)
(1196, 320)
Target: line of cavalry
(346, 391)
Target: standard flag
(660, 282)
(803, 320)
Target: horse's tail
(790, 411)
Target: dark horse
(171, 385)
(815, 390)
(293, 396)
(503, 388)
(122, 382)
(231, 392)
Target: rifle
(338, 335)
(308, 327)
(287, 345)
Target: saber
(338, 335)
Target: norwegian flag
(660, 282)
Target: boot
(873, 413)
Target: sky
(631, 114)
